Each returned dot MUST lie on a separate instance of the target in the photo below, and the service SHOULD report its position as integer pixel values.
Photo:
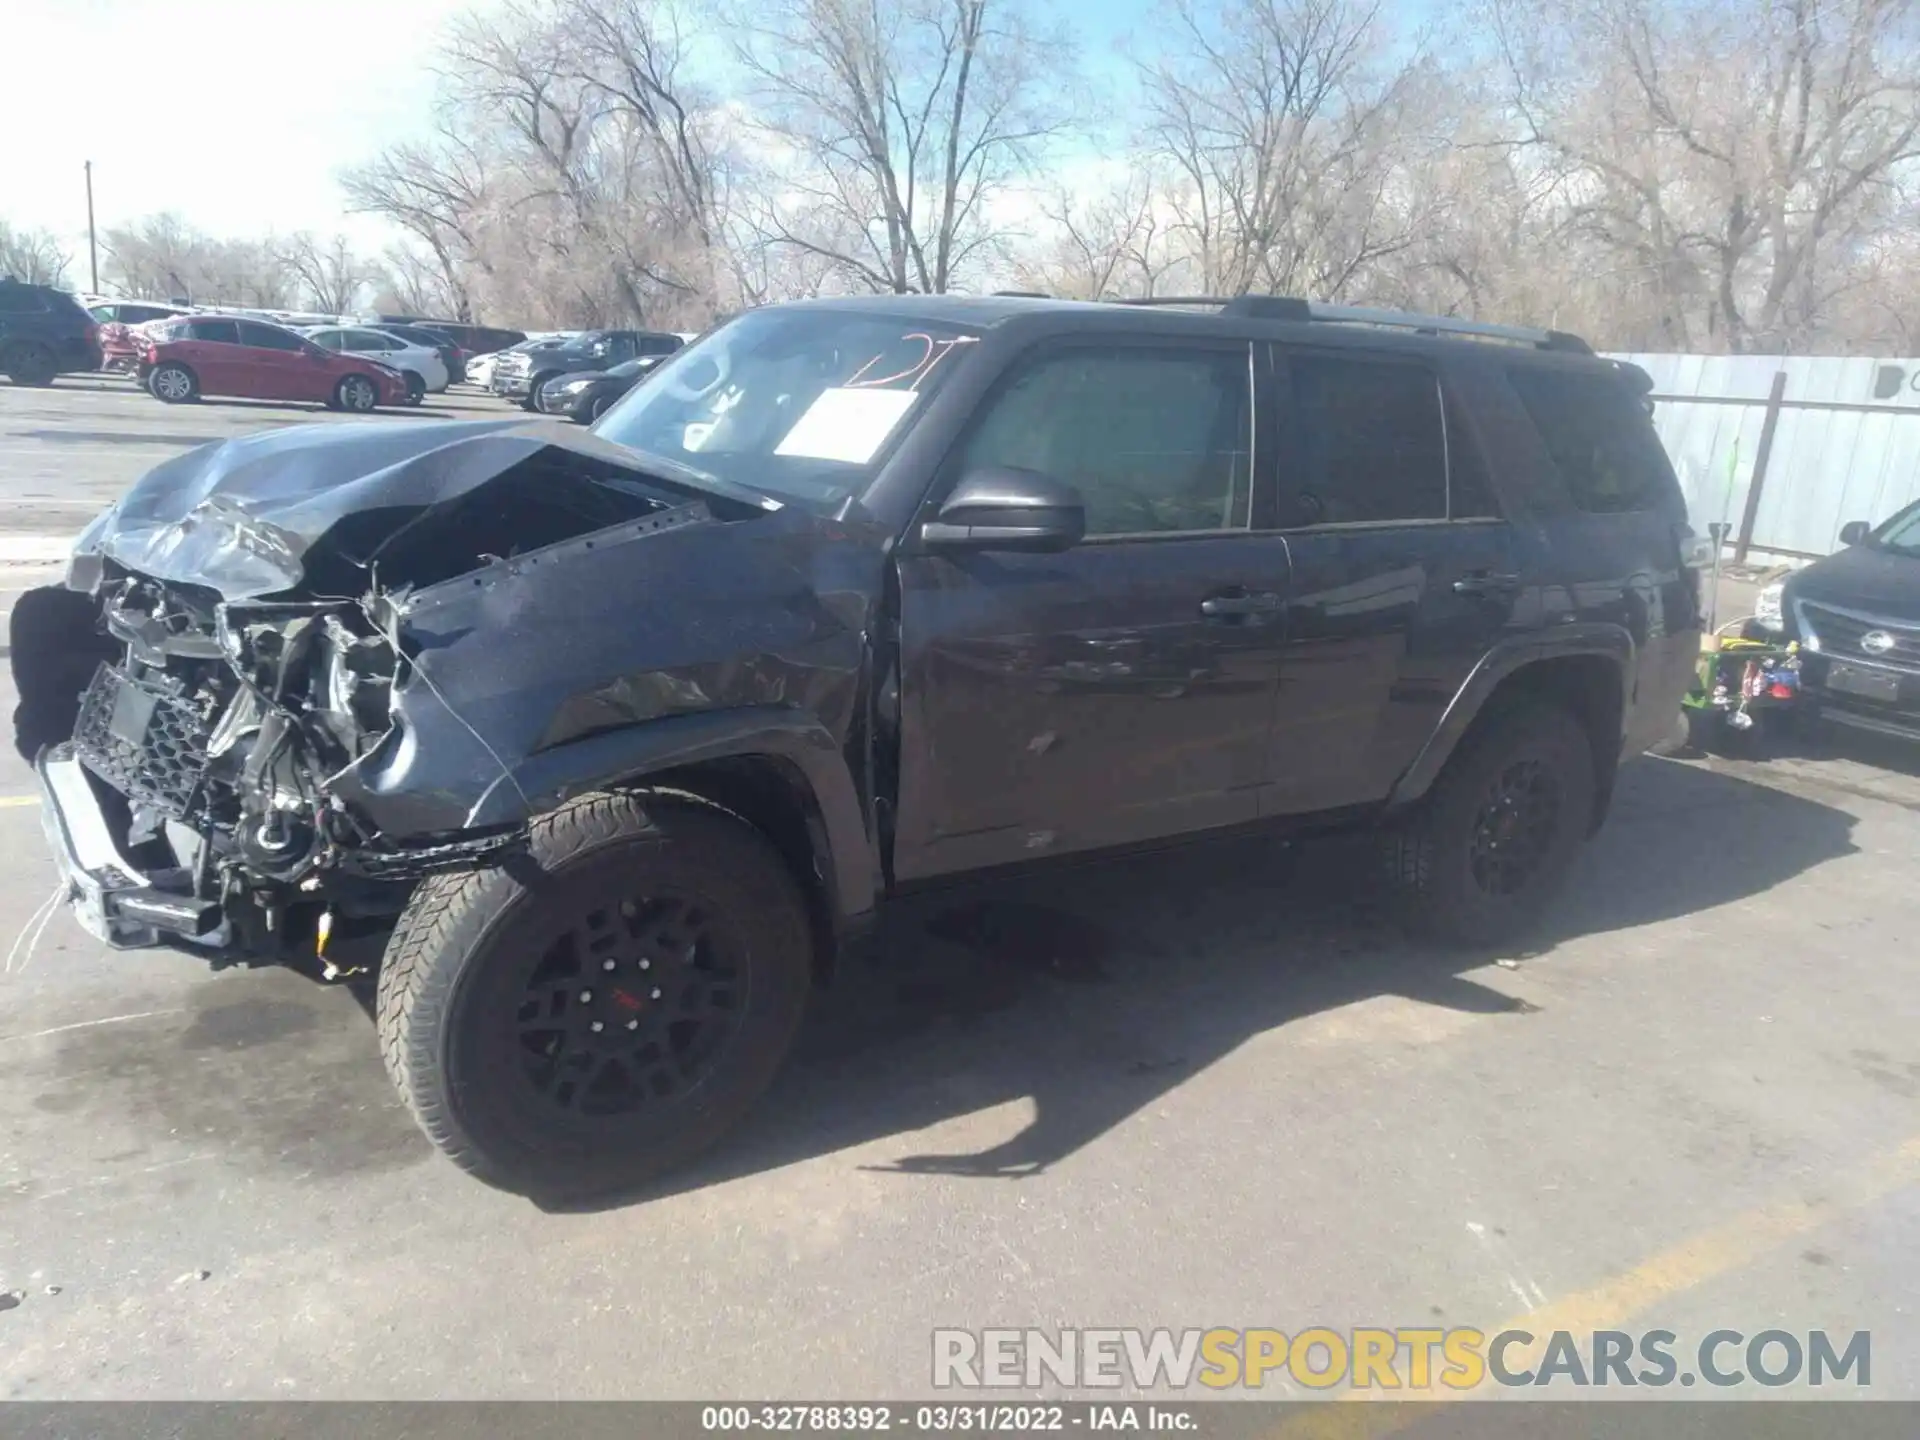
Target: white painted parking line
(35, 549)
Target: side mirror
(1854, 531)
(1003, 508)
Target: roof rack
(1287, 307)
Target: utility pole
(93, 250)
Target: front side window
(1370, 444)
(214, 332)
(328, 339)
(796, 403)
(1155, 440)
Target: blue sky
(239, 114)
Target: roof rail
(1288, 307)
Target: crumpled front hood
(241, 516)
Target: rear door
(1120, 691)
(216, 357)
(1403, 574)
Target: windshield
(797, 403)
(1902, 532)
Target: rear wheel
(173, 383)
(598, 1017)
(355, 393)
(1492, 843)
(27, 362)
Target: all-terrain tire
(1444, 863)
(471, 948)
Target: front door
(1403, 573)
(277, 361)
(1119, 691)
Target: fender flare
(631, 754)
(1505, 660)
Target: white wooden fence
(1785, 450)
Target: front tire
(355, 394)
(1492, 844)
(532, 400)
(598, 1014)
(30, 363)
(416, 389)
(173, 384)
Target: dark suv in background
(616, 740)
(44, 332)
(521, 373)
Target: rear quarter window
(1600, 439)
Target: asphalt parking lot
(1213, 1090)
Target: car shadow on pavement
(1094, 991)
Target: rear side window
(1600, 438)
(1371, 444)
(218, 332)
(20, 300)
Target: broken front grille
(145, 741)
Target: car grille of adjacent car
(515, 365)
(163, 769)
(1841, 631)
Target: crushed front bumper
(112, 899)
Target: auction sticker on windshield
(846, 424)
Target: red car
(221, 355)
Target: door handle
(1259, 603)
(1486, 582)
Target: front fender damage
(281, 767)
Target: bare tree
(162, 257)
(1738, 152)
(328, 271)
(894, 126)
(1119, 241)
(35, 256)
(436, 191)
(1292, 134)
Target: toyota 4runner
(616, 739)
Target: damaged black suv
(605, 745)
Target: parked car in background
(474, 339)
(520, 375)
(1856, 616)
(44, 332)
(135, 312)
(426, 372)
(249, 359)
(583, 398)
(450, 353)
(481, 369)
